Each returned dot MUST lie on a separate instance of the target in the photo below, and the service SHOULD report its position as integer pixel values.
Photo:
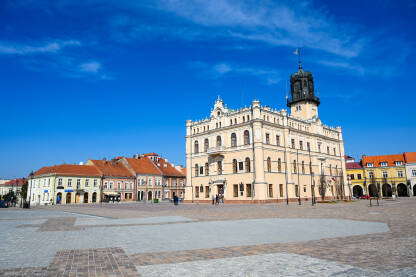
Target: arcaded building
(260, 155)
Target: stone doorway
(402, 190)
(357, 191)
(387, 190)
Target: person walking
(216, 199)
(213, 199)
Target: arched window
(219, 167)
(247, 164)
(206, 169)
(269, 164)
(231, 122)
(219, 142)
(248, 117)
(196, 170)
(206, 145)
(233, 140)
(234, 166)
(279, 165)
(196, 147)
(235, 120)
(303, 167)
(244, 118)
(294, 166)
(246, 137)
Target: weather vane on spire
(297, 52)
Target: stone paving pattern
(391, 253)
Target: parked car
(365, 197)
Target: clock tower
(302, 101)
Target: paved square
(138, 239)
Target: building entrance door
(220, 189)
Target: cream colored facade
(60, 189)
(260, 155)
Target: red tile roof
(69, 169)
(376, 160)
(353, 165)
(113, 168)
(410, 157)
(15, 182)
(143, 165)
(150, 154)
(167, 169)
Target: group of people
(217, 199)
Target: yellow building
(64, 184)
(355, 177)
(386, 175)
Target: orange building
(117, 180)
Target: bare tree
(322, 185)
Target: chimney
(81, 163)
(173, 164)
(166, 160)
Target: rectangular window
(150, 182)
(297, 190)
(69, 182)
(385, 174)
(352, 176)
(383, 164)
(78, 183)
(308, 145)
(105, 185)
(335, 151)
(119, 185)
(293, 143)
(301, 145)
(277, 140)
(201, 189)
(359, 176)
(414, 172)
(111, 184)
(201, 170)
(248, 190)
(399, 173)
(95, 182)
(270, 190)
(319, 147)
(267, 138)
(370, 164)
(398, 163)
(196, 192)
(235, 190)
(87, 182)
(207, 192)
(371, 174)
(281, 190)
(240, 166)
(60, 182)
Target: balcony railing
(216, 150)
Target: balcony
(214, 151)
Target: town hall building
(261, 155)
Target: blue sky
(94, 79)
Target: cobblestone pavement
(136, 239)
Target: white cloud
(91, 67)
(266, 75)
(49, 47)
(279, 24)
